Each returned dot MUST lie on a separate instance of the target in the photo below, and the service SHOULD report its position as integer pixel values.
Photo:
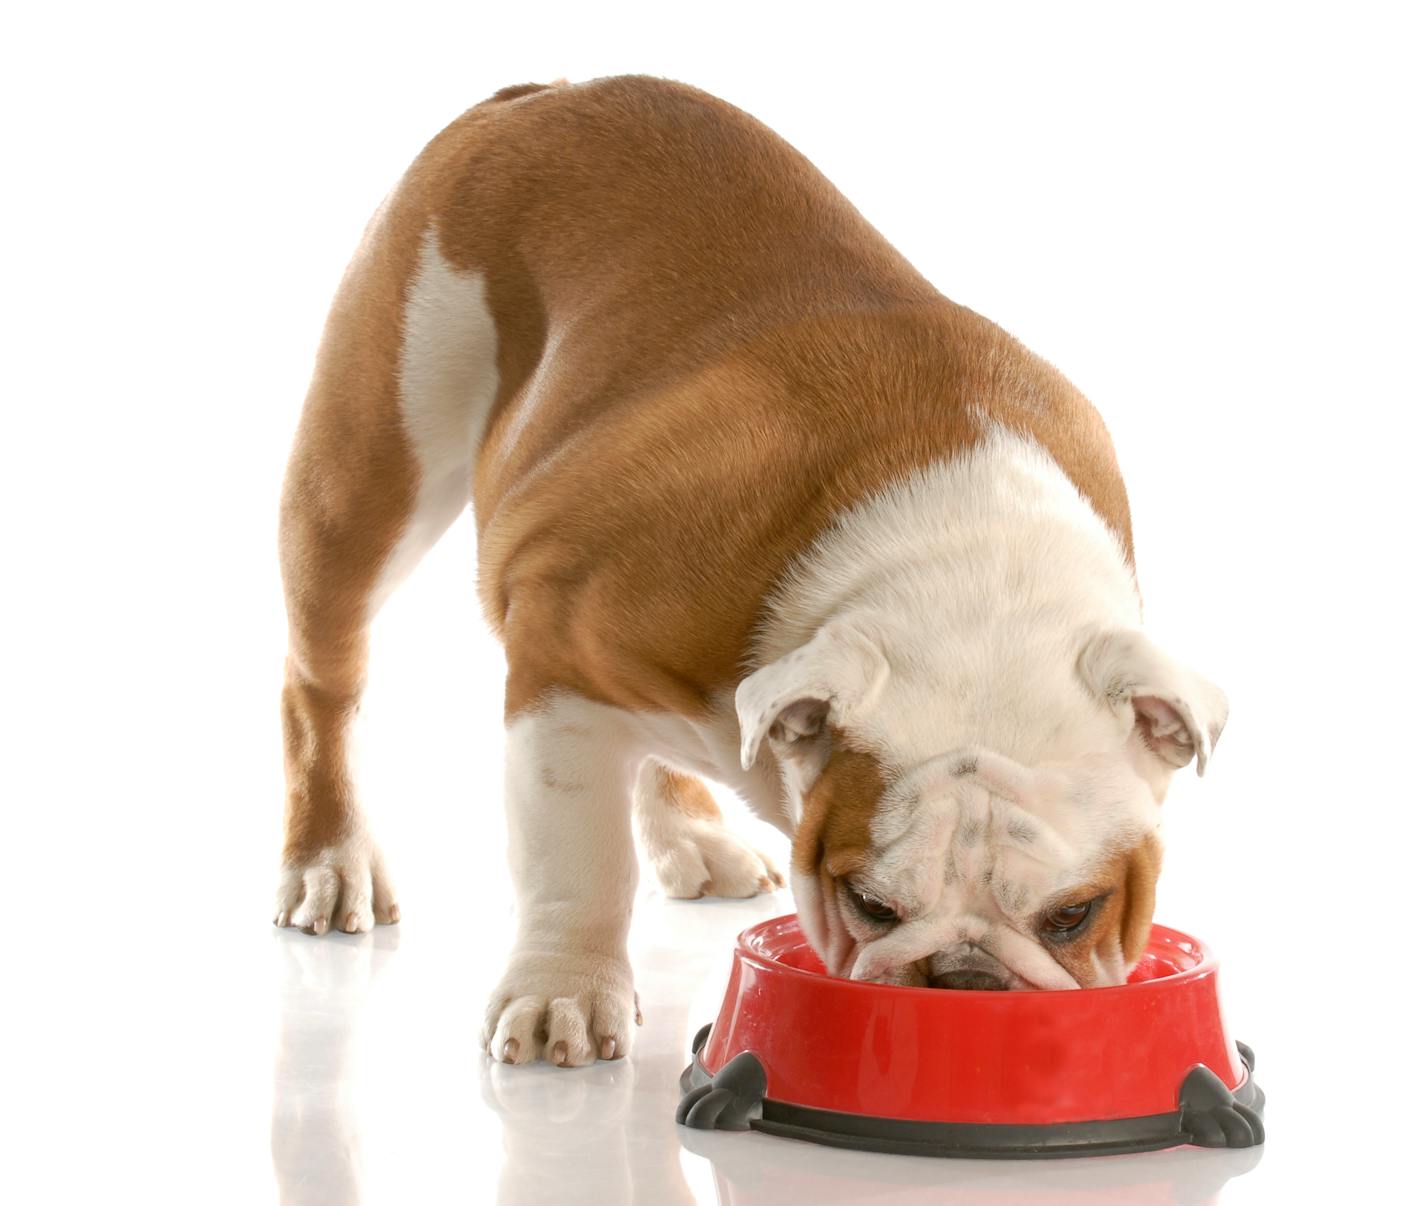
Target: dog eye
(873, 908)
(1068, 918)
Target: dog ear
(791, 702)
(1177, 713)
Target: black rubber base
(1208, 1115)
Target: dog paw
(344, 887)
(704, 858)
(566, 1007)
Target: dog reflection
(601, 1135)
(316, 1141)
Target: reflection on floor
(380, 1093)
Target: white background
(1208, 217)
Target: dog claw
(321, 925)
(606, 1051)
(561, 1054)
(511, 1050)
(394, 914)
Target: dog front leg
(567, 994)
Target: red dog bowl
(1097, 1071)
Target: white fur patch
(568, 992)
(448, 381)
(980, 580)
(571, 767)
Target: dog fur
(755, 503)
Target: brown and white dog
(757, 504)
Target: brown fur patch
(685, 308)
(834, 834)
(686, 794)
(349, 487)
(1125, 921)
(319, 796)
(1139, 891)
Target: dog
(756, 504)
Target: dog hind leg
(692, 851)
(381, 466)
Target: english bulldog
(755, 504)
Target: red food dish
(1143, 1065)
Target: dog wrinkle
(1022, 831)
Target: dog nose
(970, 978)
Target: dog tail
(515, 91)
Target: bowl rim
(1207, 965)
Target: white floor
(353, 1117)
(248, 1065)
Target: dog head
(994, 826)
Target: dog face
(925, 854)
